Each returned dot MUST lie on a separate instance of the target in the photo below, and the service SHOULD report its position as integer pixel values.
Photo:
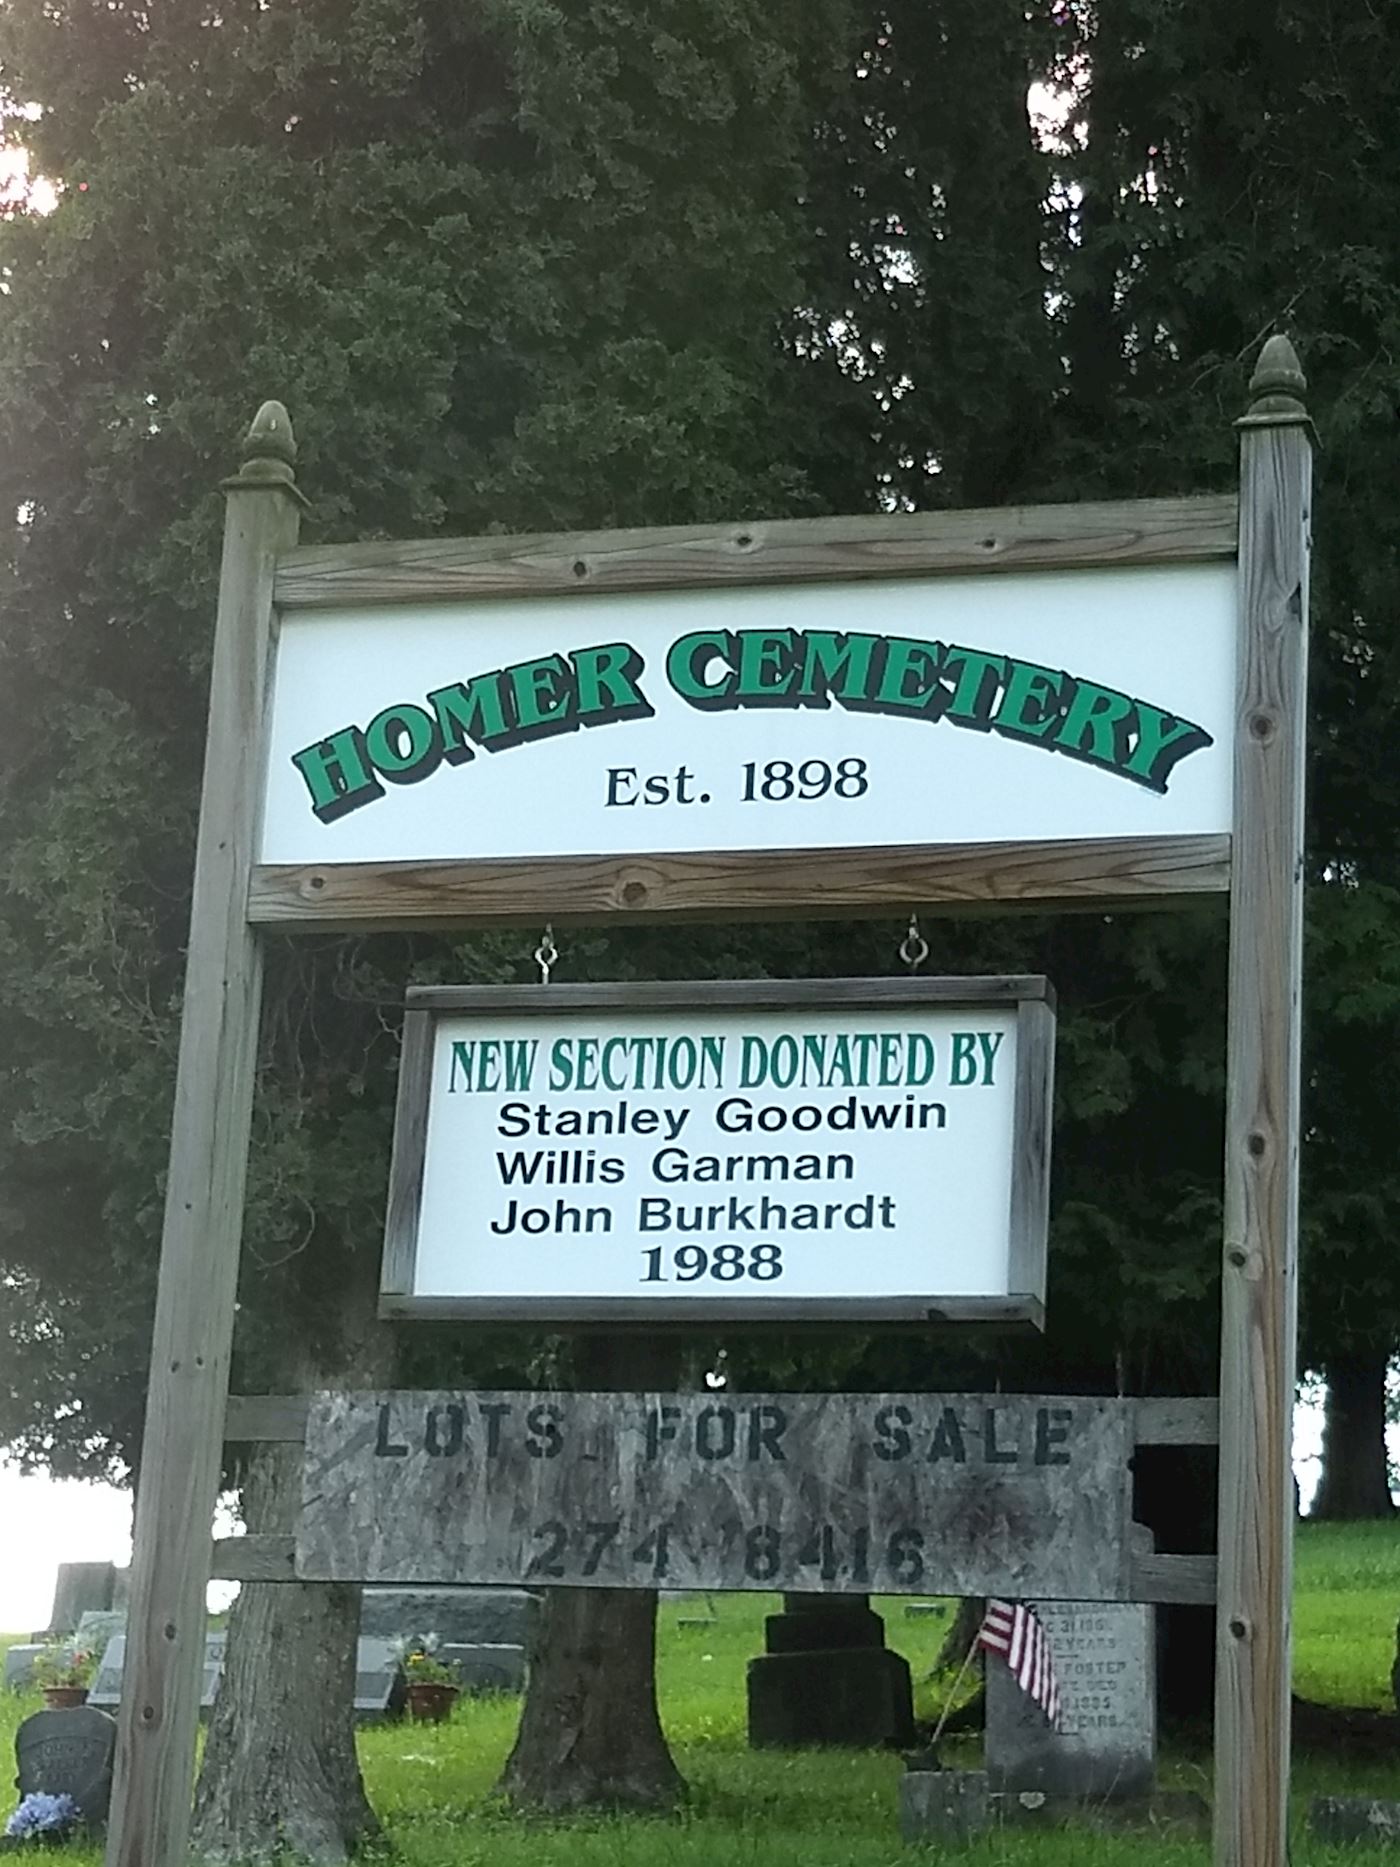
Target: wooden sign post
(1155, 682)
(1259, 1279)
(193, 1340)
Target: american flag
(1011, 1629)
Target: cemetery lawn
(432, 1785)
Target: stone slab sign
(833, 1493)
(106, 1689)
(68, 1753)
(1103, 1659)
(464, 1616)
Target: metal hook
(913, 948)
(546, 953)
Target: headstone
(1355, 1818)
(484, 1666)
(97, 1627)
(379, 1681)
(80, 1586)
(68, 1753)
(925, 1610)
(461, 1616)
(1103, 1658)
(828, 1678)
(378, 1676)
(19, 1665)
(943, 1805)
(106, 1690)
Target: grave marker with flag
(1011, 1629)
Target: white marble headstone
(1106, 1747)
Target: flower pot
(64, 1697)
(430, 1703)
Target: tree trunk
(1355, 1481)
(280, 1773)
(590, 1733)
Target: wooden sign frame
(1024, 1303)
(1261, 862)
(761, 883)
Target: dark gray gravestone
(106, 1691)
(828, 1678)
(379, 1681)
(484, 1666)
(68, 1753)
(461, 1616)
(1349, 1819)
(943, 1805)
(80, 1586)
(1106, 1747)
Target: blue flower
(42, 1814)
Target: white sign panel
(937, 710)
(684, 1156)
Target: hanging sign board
(960, 1494)
(841, 1149)
(770, 697)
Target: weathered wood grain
(1073, 537)
(1188, 1421)
(180, 1459)
(1188, 1580)
(1005, 988)
(265, 1558)
(1004, 1314)
(1157, 1578)
(1259, 1283)
(409, 1154)
(773, 884)
(971, 1494)
(263, 1419)
(1030, 1166)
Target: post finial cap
(268, 451)
(1278, 385)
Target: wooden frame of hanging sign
(848, 1150)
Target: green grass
(433, 1785)
(1346, 1604)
